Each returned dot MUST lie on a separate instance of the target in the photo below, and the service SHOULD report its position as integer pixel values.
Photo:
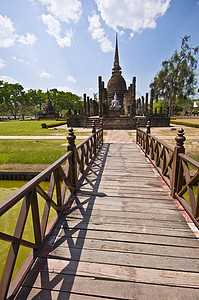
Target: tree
(62, 101)
(12, 97)
(176, 81)
(36, 100)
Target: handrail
(179, 171)
(21, 192)
(65, 177)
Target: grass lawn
(194, 120)
(188, 131)
(31, 152)
(29, 128)
(168, 136)
(192, 139)
(33, 127)
(191, 122)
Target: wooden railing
(180, 172)
(66, 174)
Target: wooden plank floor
(123, 239)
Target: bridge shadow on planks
(54, 271)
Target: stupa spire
(116, 68)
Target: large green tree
(12, 98)
(176, 81)
(62, 101)
(15, 101)
(36, 100)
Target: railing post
(177, 177)
(102, 136)
(94, 132)
(148, 131)
(72, 161)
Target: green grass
(31, 128)
(186, 194)
(34, 128)
(31, 152)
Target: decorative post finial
(93, 127)
(180, 139)
(177, 178)
(73, 177)
(148, 127)
(71, 139)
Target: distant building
(49, 110)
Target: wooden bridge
(118, 233)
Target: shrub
(53, 124)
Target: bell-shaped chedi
(116, 84)
(49, 110)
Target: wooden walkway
(123, 239)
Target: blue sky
(67, 44)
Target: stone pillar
(151, 101)
(131, 98)
(85, 110)
(133, 109)
(91, 107)
(88, 106)
(143, 105)
(139, 107)
(103, 99)
(100, 95)
(96, 108)
(147, 100)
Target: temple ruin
(118, 106)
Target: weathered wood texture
(123, 239)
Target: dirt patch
(22, 168)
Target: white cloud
(135, 15)
(8, 35)
(20, 60)
(8, 79)
(2, 63)
(70, 78)
(45, 74)
(61, 12)
(64, 89)
(54, 29)
(7, 32)
(64, 10)
(98, 32)
(28, 39)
